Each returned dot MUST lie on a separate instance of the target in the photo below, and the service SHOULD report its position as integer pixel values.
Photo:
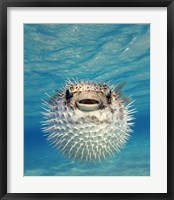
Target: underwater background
(101, 52)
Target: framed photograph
(86, 100)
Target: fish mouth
(88, 105)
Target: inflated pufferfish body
(88, 121)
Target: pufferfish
(88, 121)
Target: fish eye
(68, 94)
(108, 94)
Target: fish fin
(120, 86)
(127, 99)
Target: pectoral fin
(127, 99)
(120, 86)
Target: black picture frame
(4, 4)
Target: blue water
(101, 52)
